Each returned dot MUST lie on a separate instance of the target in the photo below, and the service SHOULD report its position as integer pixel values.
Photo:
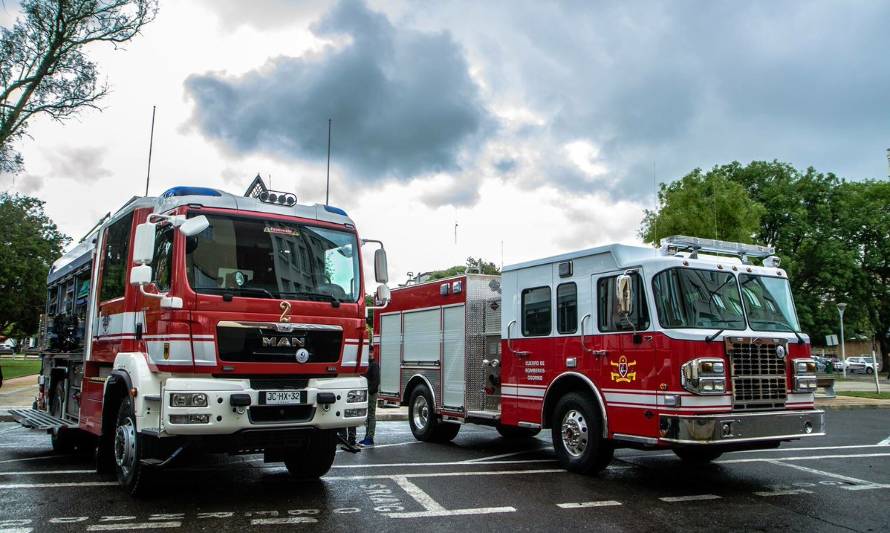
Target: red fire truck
(202, 319)
(691, 347)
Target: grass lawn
(865, 394)
(15, 369)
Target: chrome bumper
(741, 427)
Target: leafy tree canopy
(43, 70)
(29, 243)
(479, 266)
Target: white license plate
(288, 397)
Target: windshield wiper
(239, 290)
(710, 338)
(335, 302)
(778, 323)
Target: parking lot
(480, 481)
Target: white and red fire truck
(691, 347)
(202, 319)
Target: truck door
(111, 323)
(627, 375)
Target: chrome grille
(758, 373)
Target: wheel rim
(574, 433)
(420, 413)
(125, 447)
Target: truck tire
(422, 414)
(128, 447)
(698, 456)
(445, 432)
(63, 440)
(315, 459)
(869, 371)
(577, 430)
(513, 432)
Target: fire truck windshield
(768, 303)
(258, 258)
(692, 298)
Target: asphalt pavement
(479, 482)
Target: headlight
(704, 376)
(804, 375)
(188, 399)
(356, 396)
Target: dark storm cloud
(683, 85)
(402, 101)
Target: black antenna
(151, 140)
(327, 192)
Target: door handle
(584, 348)
(510, 341)
(599, 353)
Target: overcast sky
(537, 127)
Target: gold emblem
(285, 312)
(623, 374)
(166, 351)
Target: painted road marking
(127, 526)
(17, 530)
(455, 512)
(802, 458)
(584, 505)
(447, 474)
(860, 483)
(789, 492)
(885, 442)
(694, 498)
(54, 485)
(501, 456)
(31, 458)
(47, 472)
(280, 521)
(449, 463)
(425, 500)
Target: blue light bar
(190, 191)
(335, 210)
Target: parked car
(821, 363)
(861, 363)
(6, 350)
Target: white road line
(280, 521)
(770, 450)
(789, 492)
(885, 442)
(17, 530)
(447, 474)
(127, 526)
(449, 463)
(453, 512)
(823, 473)
(802, 458)
(425, 500)
(500, 456)
(30, 459)
(584, 505)
(54, 485)
(694, 498)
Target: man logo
(283, 342)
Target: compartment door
(453, 335)
(390, 353)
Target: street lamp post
(840, 309)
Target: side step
(35, 419)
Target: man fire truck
(616, 346)
(199, 318)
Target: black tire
(314, 459)
(577, 435)
(869, 371)
(697, 456)
(513, 432)
(63, 439)
(445, 432)
(422, 414)
(128, 450)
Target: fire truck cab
(200, 319)
(690, 347)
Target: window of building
(608, 317)
(114, 260)
(567, 308)
(536, 320)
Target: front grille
(240, 344)
(758, 373)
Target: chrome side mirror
(624, 294)
(382, 296)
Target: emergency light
(278, 197)
(682, 243)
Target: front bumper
(739, 428)
(226, 419)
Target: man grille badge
(780, 351)
(283, 342)
(302, 355)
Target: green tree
(479, 265)
(703, 205)
(29, 244)
(43, 69)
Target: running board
(35, 419)
(161, 463)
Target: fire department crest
(623, 372)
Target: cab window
(114, 259)
(536, 321)
(567, 308)
(162, 261)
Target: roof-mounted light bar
(277, 197)
(681, 243)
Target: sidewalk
(17, 393)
